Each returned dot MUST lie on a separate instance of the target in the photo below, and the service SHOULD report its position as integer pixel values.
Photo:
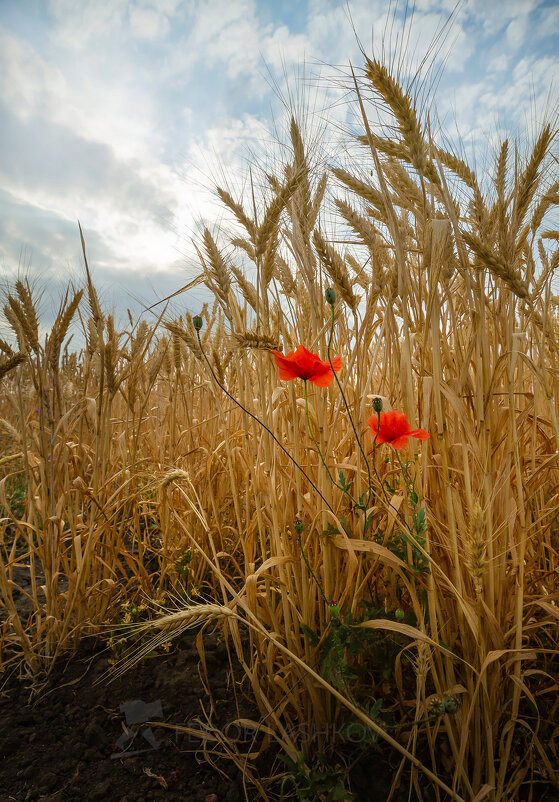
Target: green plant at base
(183, 566)
(123, 636)
(321, 782)
(16, 496)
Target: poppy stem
(339, 486)
(369, 486)
(404, 473)
(254, 417)
(314, 576)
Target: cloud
(125, 113)
(76, 26)
(55, 259)
(148, 23)
(100, 102)
(48, 160)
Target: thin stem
(404, 473)
(254, 417)
(369, 488)
(314, 576)
(339, 486)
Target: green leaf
(339, 792)
(331, 530)
(311, 635)
(375, 709)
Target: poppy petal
(286, 366)
(421, 434)
(400, 442)
(305, 360)
(322, 378)
(337, 363)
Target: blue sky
(123, 113)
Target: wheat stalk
(256, 339)
(239, 212)
(405, 114)
(336, 269)
(9, 364)
(496, 264)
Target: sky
(124, 114)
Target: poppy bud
(377, 404)
(451, 703)
(334, 609)
(330, 296)
(298, 526)
(399, 615)
(197, 322)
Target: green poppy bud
(330, 296)
(334, 609)
(197, 322)
(377, 405)
(298, 526)
(451, 704)
(399, 615)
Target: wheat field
(412, 592)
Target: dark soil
(84, 741)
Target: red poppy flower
(302, 364)
(394, 429)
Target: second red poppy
(394, 429)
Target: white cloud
(148, 23)
(77, 24)
(517, 31)
(79, 96)
(494, 15)
(499, 63)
